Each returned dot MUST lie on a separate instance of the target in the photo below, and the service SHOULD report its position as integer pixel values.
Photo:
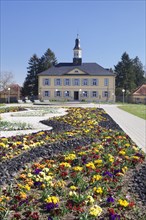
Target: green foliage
(37, 65)
(129, 74)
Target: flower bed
(79, 171)
(11, 109)
(13, 126)
(36, 112)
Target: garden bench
(20, 101)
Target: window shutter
(103, 95)
(91, 94)
(54, 82)
(55, 94)
(43, 82)
(79, 81)
(91, 82)
(108, 94)
(73, 82)
(87, 82)
(61, 82)
(82, 82)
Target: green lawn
(135, 109)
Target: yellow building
(77, 81)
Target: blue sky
(106, 29)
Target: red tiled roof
(141, 90)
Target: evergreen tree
(129, 74)
(37, 65)
(125, 77)
(30, 86)
(139, 72)
(47, 60)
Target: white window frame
(46, 82)
(94, 82)
(76, 82)
(66, 93)
(94, 93)
(58, 93)
(58, 82)
(85, 82)
(67, 82)
(106, 81)
(85, 94)
(106, 94)
(46, 93)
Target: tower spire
(77, 60)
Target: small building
(77, 81)
(10, 94)
(139, 95)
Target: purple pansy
(110, 199)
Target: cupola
(77, 60)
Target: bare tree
(6, 78)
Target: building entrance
(76, 95)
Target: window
(66, 93)
(94, 94)
(58, 82)
(85, 94)
(46, 82)
(94, 82)
(85, 82)
(46, 93)
(106, 82)
(105, 94)
(76, 82)
(58, 93)
(67, 82)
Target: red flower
(131, 204)
(111, 211)
(17, 216)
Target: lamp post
(9, 89)
(113, 97)
(123, 90)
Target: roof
(141, 90)
(92, 69)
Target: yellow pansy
(89, 200)
(123, 202)
(65, 164)
(96, 178)
(91, 165)
(98, 190)
(52, 199)
(70, 157)
(95, 210)
(77, 168)
(73, 187)
(122, 152)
